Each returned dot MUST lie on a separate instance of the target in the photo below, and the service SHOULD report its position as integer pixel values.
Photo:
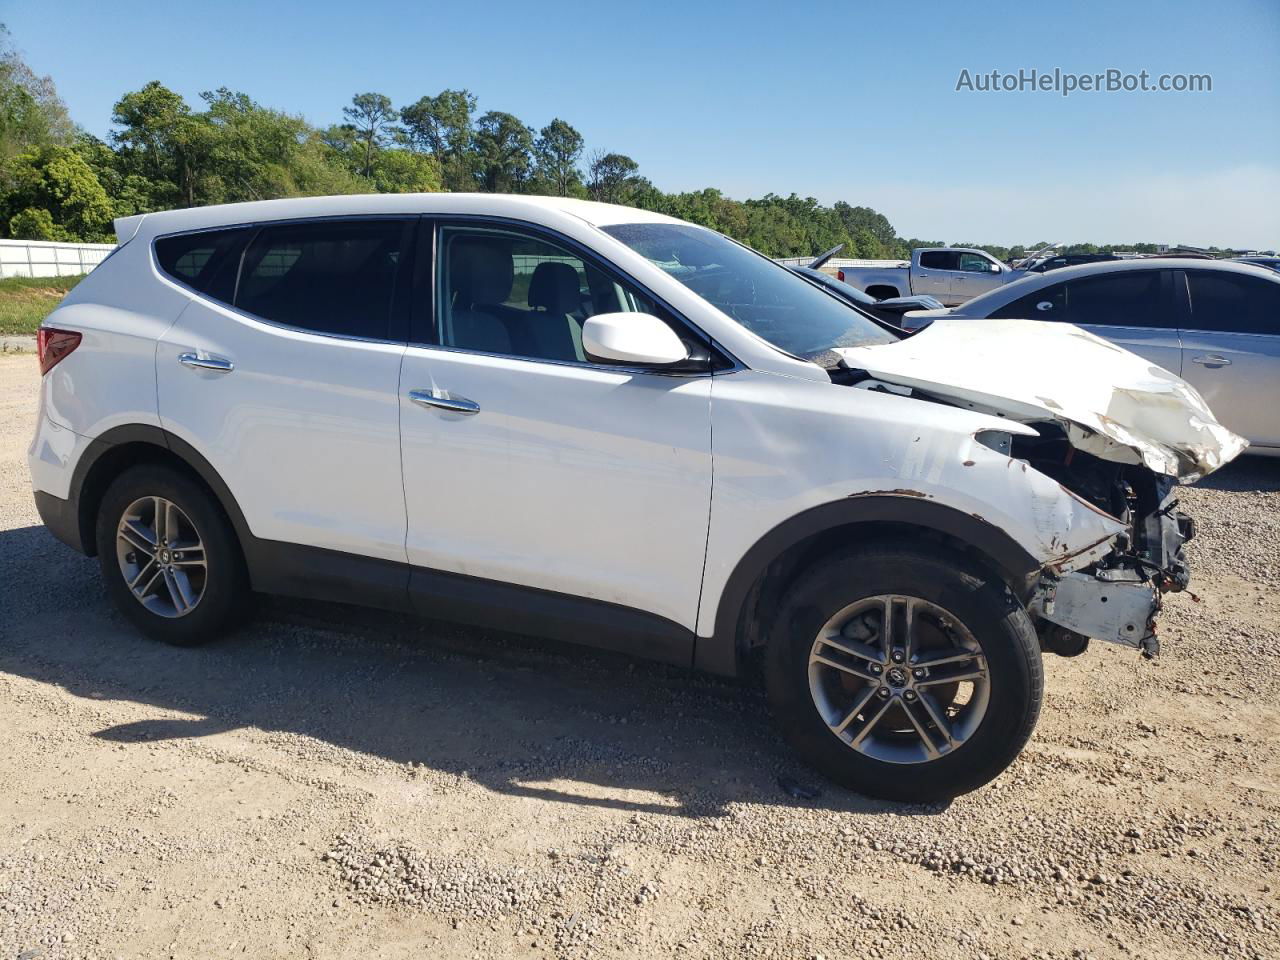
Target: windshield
(767, 299)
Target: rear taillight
(840, 275)
(52, 345)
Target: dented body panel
(1113, 403)
(784, 445)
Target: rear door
(283, 375)
(932, 275)
(1231, 350)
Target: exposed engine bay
(1111, 599)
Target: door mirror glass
(631, 338)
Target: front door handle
(197, 362)
(1212, 360)
(443, 400)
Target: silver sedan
(1215, 323)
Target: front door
(974, 274)
(582, 488)
(1134, 308)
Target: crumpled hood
(1113, 403)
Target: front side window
(767, 299)
(1131, 299)
(1233, 303)
(972, 263)
(938, 260)
(205, 261)
(335, 277)
(509, 293)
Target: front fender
(794, 458)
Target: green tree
(371, 118)
(442, 126)
(158, 138)
(611, 176)
(31, 112)
(403, 171)
(33, 224)
(557, 152)
(58, 182)
(504, 148)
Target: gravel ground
(333, 783)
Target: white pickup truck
(951, 274)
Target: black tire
(225, 590)
(983, 606)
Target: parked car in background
(1215, 323)
(499, 409)
(1270, 262)
(951, 275)
(890, 310)
(1057, 261)
(887, 311)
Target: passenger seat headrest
(480, 270)
(554, 287)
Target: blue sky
(852, 102)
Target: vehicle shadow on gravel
(1248, 474)
(522, 716)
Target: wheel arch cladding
(123, 447)
(789, 547)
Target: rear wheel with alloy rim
(904, 675)
(161, 557)
(169, 556)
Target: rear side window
(1233, 303)
(1049, 303)
(335, 277)
(938, 260)
(1133, 299)
(205, 261)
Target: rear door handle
(443, 400)
(1212, 360)
(197, 362)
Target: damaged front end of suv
(1115, 433)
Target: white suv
(608, 426)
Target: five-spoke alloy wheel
(899, 679)
(169, 557)
(161, 556)
(904, 674)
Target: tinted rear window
(1233, 303)
(331, 277)
(1132, 299)
(938, 260)
(205, 261)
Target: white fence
(40, 258)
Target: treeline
(58, 182)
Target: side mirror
(639, 339)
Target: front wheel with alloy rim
(169, 557)
(903, 674)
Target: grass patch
(25, 301)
